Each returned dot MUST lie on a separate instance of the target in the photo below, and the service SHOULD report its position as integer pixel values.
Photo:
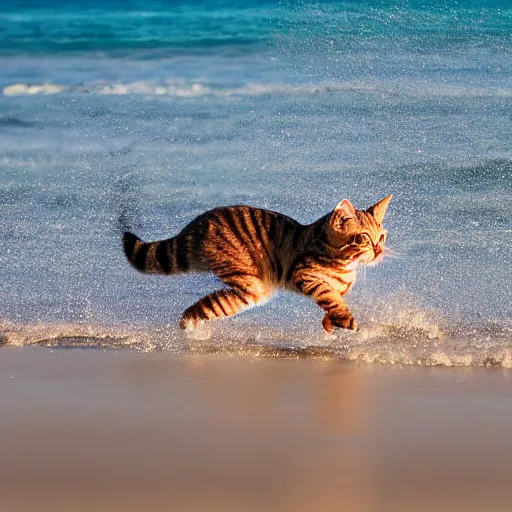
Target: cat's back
(244, 239)
(243, 222)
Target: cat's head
(359, 234)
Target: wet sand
(118, 431)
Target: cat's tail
(169, 256)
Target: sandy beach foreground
(119, 431)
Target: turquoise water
(118, 26)
(47, 27)
(159, 111)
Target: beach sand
(84, 430)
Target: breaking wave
(195, 89)
(408, 338)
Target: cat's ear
(378, 210)
(344, 211)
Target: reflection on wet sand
(289, 442)
(120, 431)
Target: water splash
(407, 337)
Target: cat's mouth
(369, 258)
(378, 257)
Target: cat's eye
(362, 239)
(382, 239)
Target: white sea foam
(412, 338)
(195, 88)
(69, 335)
(29, 90)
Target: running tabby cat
(255, 251)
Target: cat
(255, 252)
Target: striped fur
(255, 252)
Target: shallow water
(312, 104)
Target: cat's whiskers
(390, 253)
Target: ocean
(153, 112)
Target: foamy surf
(30, 90)
(73, 335)
(184, 89)
(410, 339)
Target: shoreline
(409, 341)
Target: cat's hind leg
(226, 302)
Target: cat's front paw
(341, 320)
